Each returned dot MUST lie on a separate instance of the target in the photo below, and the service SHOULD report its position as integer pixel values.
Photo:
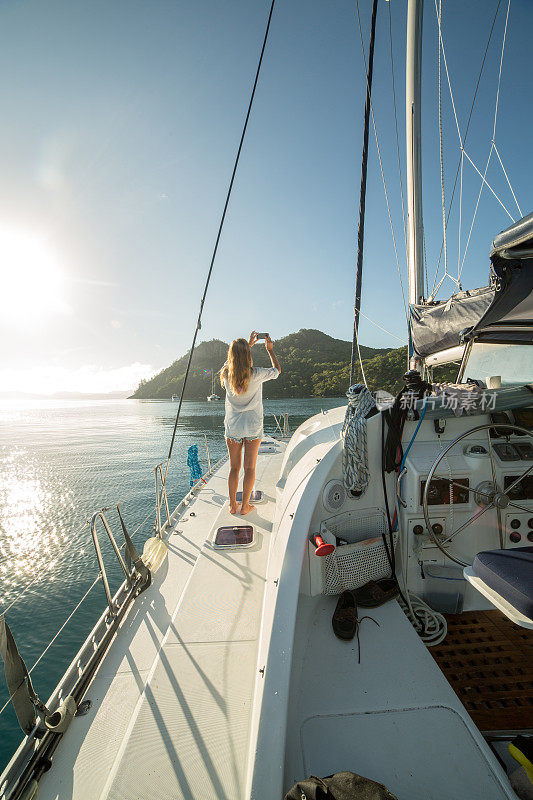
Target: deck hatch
(235, 536)
(255, 497)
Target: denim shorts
(244, 438)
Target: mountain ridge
(313, 364)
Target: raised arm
(269, 344)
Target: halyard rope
(381, 167)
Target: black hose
(390, 554)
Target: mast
(362, 194)
(413, 80)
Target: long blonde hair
(238, 367)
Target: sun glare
(31, 282)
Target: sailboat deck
(489, 663)
(171, 703)
(392, 717)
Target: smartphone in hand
(261, 336)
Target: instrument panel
(441, 492)
(522, 491)
(514, 451)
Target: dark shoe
(344, 618)
(375, 593)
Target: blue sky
(120, 123)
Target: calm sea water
(59, 462)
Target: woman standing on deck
(243, 422)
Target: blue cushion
(509, 573)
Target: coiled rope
(355, 454)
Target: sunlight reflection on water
(31, 518)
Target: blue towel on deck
(194, 464)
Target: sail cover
(502, 312)
(510, 317)
(438, 326)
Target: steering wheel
(488, 494)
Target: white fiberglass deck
(392, 717)
(171, 702)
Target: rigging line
(508, 181)
(5, 610)
(500, 73)
(362, 197)
(381, 169)
(89, 590)
(65, 623)
(446, 275)
(484, 181)
(397, 137)
(65, 550)
(460, 217)
(360, 359)
(50, 643)
(91, 587)
(441, 47)
(443, 198)
(215, 249)
(493, 147)
(403, 341)
(468, 122)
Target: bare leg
(251, 450)
(235, 453)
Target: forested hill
(313, 364)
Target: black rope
(199, 321)
(362, 194)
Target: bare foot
(246, 509)
(234, 509)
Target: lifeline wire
(221, 225)
(79, 604)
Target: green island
(314, 365)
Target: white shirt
(244, 412)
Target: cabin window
(513, 362)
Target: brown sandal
(375, 593)
(344, 620)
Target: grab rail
(159, 496)
(129, 575)
(282, 421)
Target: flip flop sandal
(375, 593)
(344, 620)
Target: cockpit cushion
(509, 573)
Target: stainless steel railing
(129, 575)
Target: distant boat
(213, 395)
(174, 398)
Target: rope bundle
(355, 454)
